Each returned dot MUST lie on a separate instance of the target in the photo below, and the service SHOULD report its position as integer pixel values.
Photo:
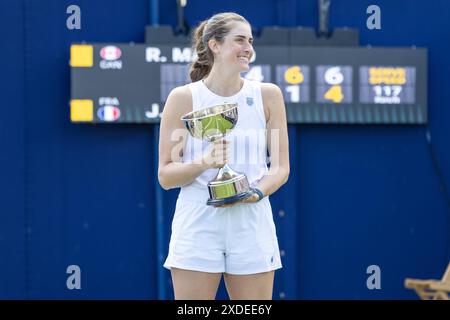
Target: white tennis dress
(240, 239)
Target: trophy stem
(225, 173)
(225, 168)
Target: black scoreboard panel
(122, 83)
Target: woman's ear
(213, 45)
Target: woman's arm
(172, 137)
(173, 173)
(277, 140)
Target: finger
(223, 146)
(222, 141)
(250, 199)
(225, 205)
(218, 153)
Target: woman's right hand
(217, 154)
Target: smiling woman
(235, 240)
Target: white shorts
(236, 240)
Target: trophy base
(236, 198)
(228, 187)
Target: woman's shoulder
(271, 95)
(179, 100)
(268, 88)
(270, 92)
(181, 92)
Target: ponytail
(201, 67)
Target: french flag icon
(108, 113)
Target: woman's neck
(223, 84)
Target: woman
(237, 240)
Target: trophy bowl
(213, 123)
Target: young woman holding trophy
(210, 145)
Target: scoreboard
(129, 83)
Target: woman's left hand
(252, 198)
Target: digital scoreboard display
(334, 84)
(294, 81)
(129, 83)
(387, 84)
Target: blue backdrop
(87, 195)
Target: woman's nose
(248, 48)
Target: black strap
(259, 193)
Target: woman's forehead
(240, 29)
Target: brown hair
(217, 27)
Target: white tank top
(248, 147)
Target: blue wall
(87, 194)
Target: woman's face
(237, 48)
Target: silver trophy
(210, 124)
